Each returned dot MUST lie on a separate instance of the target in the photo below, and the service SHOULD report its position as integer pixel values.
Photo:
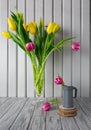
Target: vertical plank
(12, 60)
(58, 55)
(21, 59)
(49, 65)
(39, 14)
(67, 49)
(38, 10)
(3, 48)
(85, 48)
(30, 81)
(76, 33)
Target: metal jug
(68, 96)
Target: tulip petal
(11, 24)
(58, 80)
(30, 46)
(76, 46)
(6, 34)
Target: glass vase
(39, 79)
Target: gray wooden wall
(16, 77)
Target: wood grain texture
(53, 118)
(7, 120)
(27, 114)
(82, 119)
(38, 118)
(4, 108)
(23, 119)
(2, 100)
(86, 106)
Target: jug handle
(75, 92)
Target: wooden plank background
(16, 77)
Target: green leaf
(44, 37)
(14, 17)
(22, 33)
(40, 28)
(17, 14)
(58, 45)
(21, 29)
(62, 42)
(16, 40)
(50, 43)
(54, 101)
(38, 49)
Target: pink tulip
(58, 80)
(30, 46)
(46, 106)
(76, 46)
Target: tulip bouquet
(40, 48)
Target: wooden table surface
(27, 114)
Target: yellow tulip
(50, 27)
(32, 27)
(56, 28)
(24, 25)
(11, 24)
(6, 34)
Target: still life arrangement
(38, 49)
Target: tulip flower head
(58, 80)
(53, 27)
(46, 106)
(76, 46)
(30, 46)
(11, 24)
(56, 28)
(6, 34)
(50, 27)
(32, 27)
(25, 27)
